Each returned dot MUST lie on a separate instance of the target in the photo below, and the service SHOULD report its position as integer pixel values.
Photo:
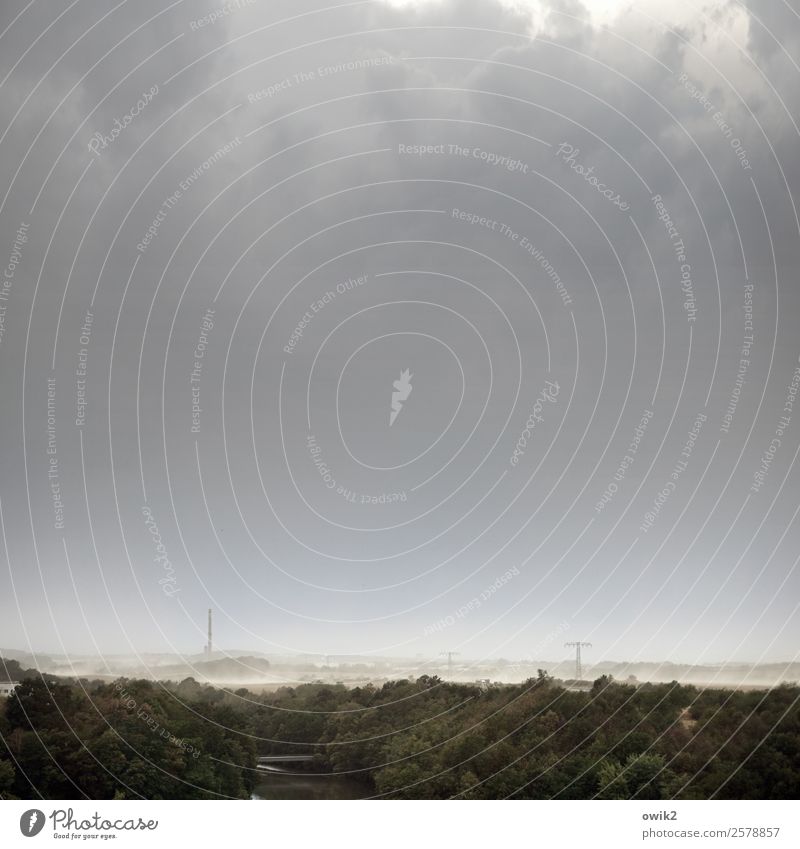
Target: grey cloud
(317, 193)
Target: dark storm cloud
(275, 162)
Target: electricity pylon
(577, 645)
(450, 655)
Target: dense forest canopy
(422, 739)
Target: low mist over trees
(127, 740)
(422, 739)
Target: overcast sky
(227, 232)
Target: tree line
(405, 739)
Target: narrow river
(276, 783)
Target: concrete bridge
(266, 761)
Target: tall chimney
(208, 647)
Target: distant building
(7, 688)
